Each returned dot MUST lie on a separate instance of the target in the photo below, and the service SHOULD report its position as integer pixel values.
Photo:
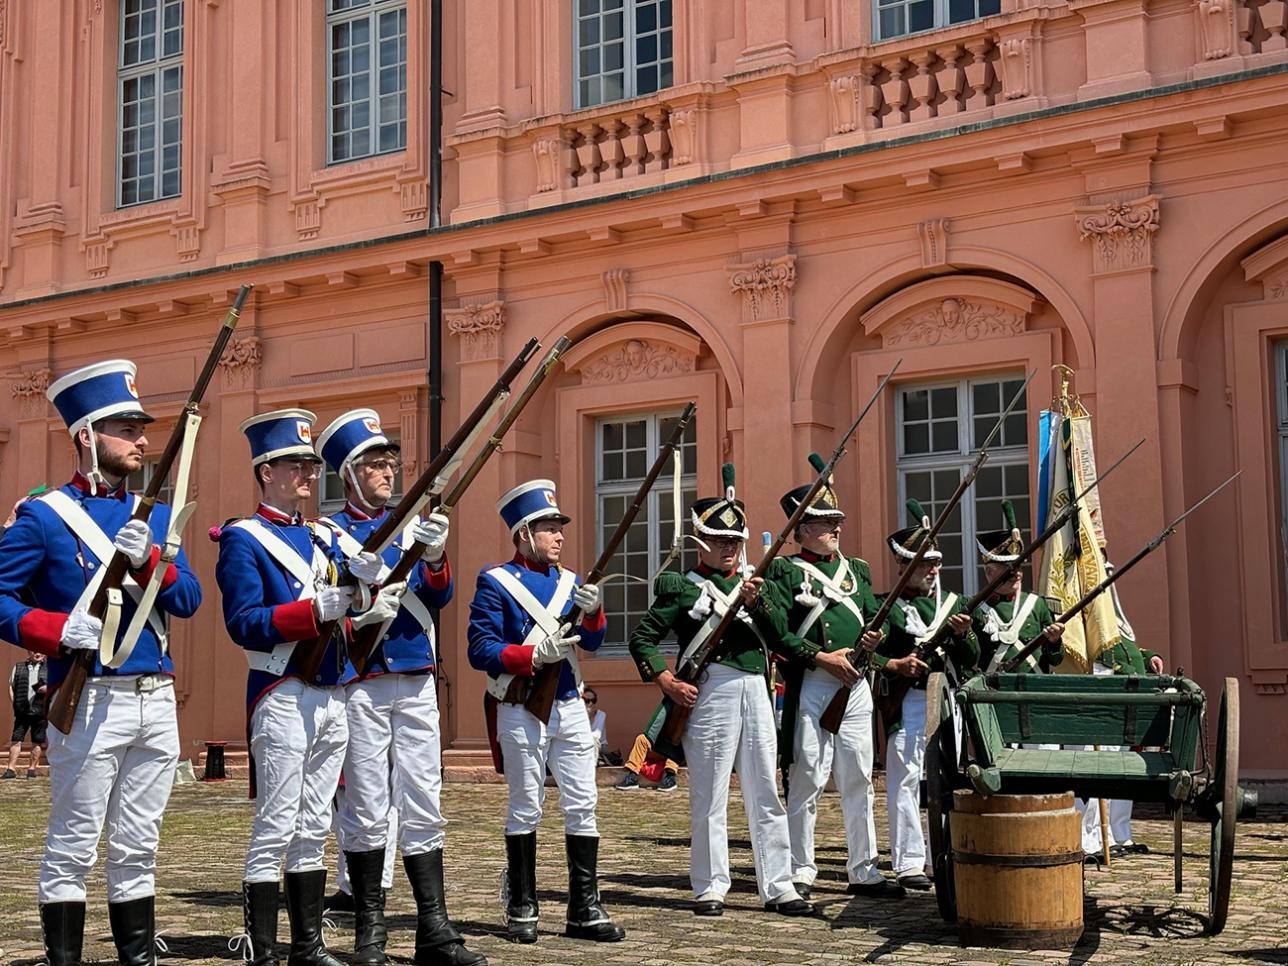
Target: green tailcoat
(1039, 619)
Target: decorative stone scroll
(479, 327)
(547, 154)
(1121, 232)
(765, 285)
(615, 292)
(955, 320)
(844, 91)
(933, 233)
(635, 360)
(29, 389)
(240, 362)
(684, 136)
(1216, 27)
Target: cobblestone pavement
(1132, 914)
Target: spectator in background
(27, 696)
(645, 763)
(598, 723)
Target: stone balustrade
(1262, 24)
(609, 146)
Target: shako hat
(351, 435)
(721, 516)
(529, 502)
(283, 432)
(825, 505)
(90, 394)
(1001, 546)
(905, 542)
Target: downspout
(435, 349)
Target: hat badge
(304, 430)
(728, 518)
(373, 425)
(130, 386)
(550, 498)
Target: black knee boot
(304, 894)
(259, 914)
(437, 941)
(365, 872)
(587, 918)
(521, 909)
(133, 932)
(63, 924)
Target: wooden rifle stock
(62, 709)
(545, 685)
(415, 497)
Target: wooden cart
(1006, 716)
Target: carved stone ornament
(933, 233)
(240, 362)
(1216, 27)
(29, 389)
(844, 92)
(634, 360)
(684, 136)
(1277, 288)
(546, 152)
(615, 293)
(1121, 232)
(479, 327)
(765, 285)
(954, 320)
(1016, 63)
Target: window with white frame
(940, 429)
(150, 101)
(141, 478)
(624, 49)
(366, 77)
(331, 489)
(625, 448)
(895, 18)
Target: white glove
(431, 533)
(383, 608)
(587, 598)
(331, 603)
(367, 567)
(82, 632)
(135, 541)
(553, 649)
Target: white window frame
(629, 53)
(330, 479)
(158, 68)
(941, 18)
(139, 480)
(372, 11)
(658, 500)
(998, 457)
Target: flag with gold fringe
(1073, 560)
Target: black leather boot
(437, 941)
(63, 924)
(304, 894)
(259, 914)
(365, 872)
(133, 932)
(521, 908)
(587, 918)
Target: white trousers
(1119, 824)
(566, 745)
(115, 768)
(394, 761)
(298, 735)
(341, 863)
(733, 724)
(905, 756)
(817, 754)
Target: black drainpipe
(435, 221)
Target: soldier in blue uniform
(514, 630)
(116, 764)
(394, 757)
(277, 573)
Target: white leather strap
(350, 547)
(1008, 634)
(720, 603)
(832, 592)
(545, 619)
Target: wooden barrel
(1017, 865)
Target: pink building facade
(758, 205)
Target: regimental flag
(1073, 562)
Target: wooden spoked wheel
(1226, 781)
(941, 773)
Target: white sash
(409, 602)
(720, 603)
(941, 614)
(545, 619)
(832, 592)
(305, 573)
(1009, 634)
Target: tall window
(894, 18)
(623, 49)
(625, 448)
(142, 477)
(331, 490)
(940, 429)
(150, 87)
(367, 73)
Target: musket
(545, 684)
(430, 482)
(835, 710)
(890, 693)
(1031, 646)
(677, 717)
(62, 710)
(368, 637)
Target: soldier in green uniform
(922, 609)
(1012, 617)
(732, 719)
(831, 602)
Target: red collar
(705, 571)
(521, 561)
(273, 515)
(998, 598)
(359, 514)
(809, 556)
(81, 482)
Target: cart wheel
(1178, 851)
(1226, 781)
(941, 772)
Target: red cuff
(295, 621)
(144, 573)
(595, 622)
(42, 631)
(438, 579)
(517, 659)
